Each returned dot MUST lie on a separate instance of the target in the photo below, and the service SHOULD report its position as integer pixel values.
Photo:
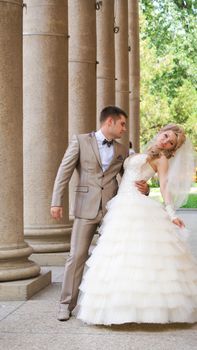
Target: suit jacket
(95, 187)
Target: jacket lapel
(94, 145)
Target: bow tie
(108, 143)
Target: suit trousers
(81, 237)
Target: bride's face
(166, 140)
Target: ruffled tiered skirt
(140, 271)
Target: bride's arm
(162, 169)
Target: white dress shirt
(106, 153)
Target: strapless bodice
(136, 168)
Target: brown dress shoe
(64, 312)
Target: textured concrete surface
(189, 216)
(122, 62)
(45, 105)
(82, 65)
(24, 289)
(105, 56)
(14, 252)
(134, 74)
(50, 259)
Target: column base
(19, 270)
(50, 259)
(25, 289)
(49, 239)
(14, 262)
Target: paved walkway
(32, 325)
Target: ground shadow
(150, 327)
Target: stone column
(82, 66)
(134, 74)
(14, 252)
(122, 59)
(82, 71)
(45, 120)
(105, 56)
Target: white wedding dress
(141, 270)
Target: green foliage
(154, 182)
(156, 194)
(192, 201)
(184, 109)
(168, 66)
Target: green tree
(168, 39)
(154, 107)
(171, 29)
(184, 109)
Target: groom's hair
(111, 111)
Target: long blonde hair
(154, 151)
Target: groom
(98, 159)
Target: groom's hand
(143, 187)
(57, 212)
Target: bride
(141, 269)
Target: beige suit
(95, 188)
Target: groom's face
(118, 127)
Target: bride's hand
(178, 222)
